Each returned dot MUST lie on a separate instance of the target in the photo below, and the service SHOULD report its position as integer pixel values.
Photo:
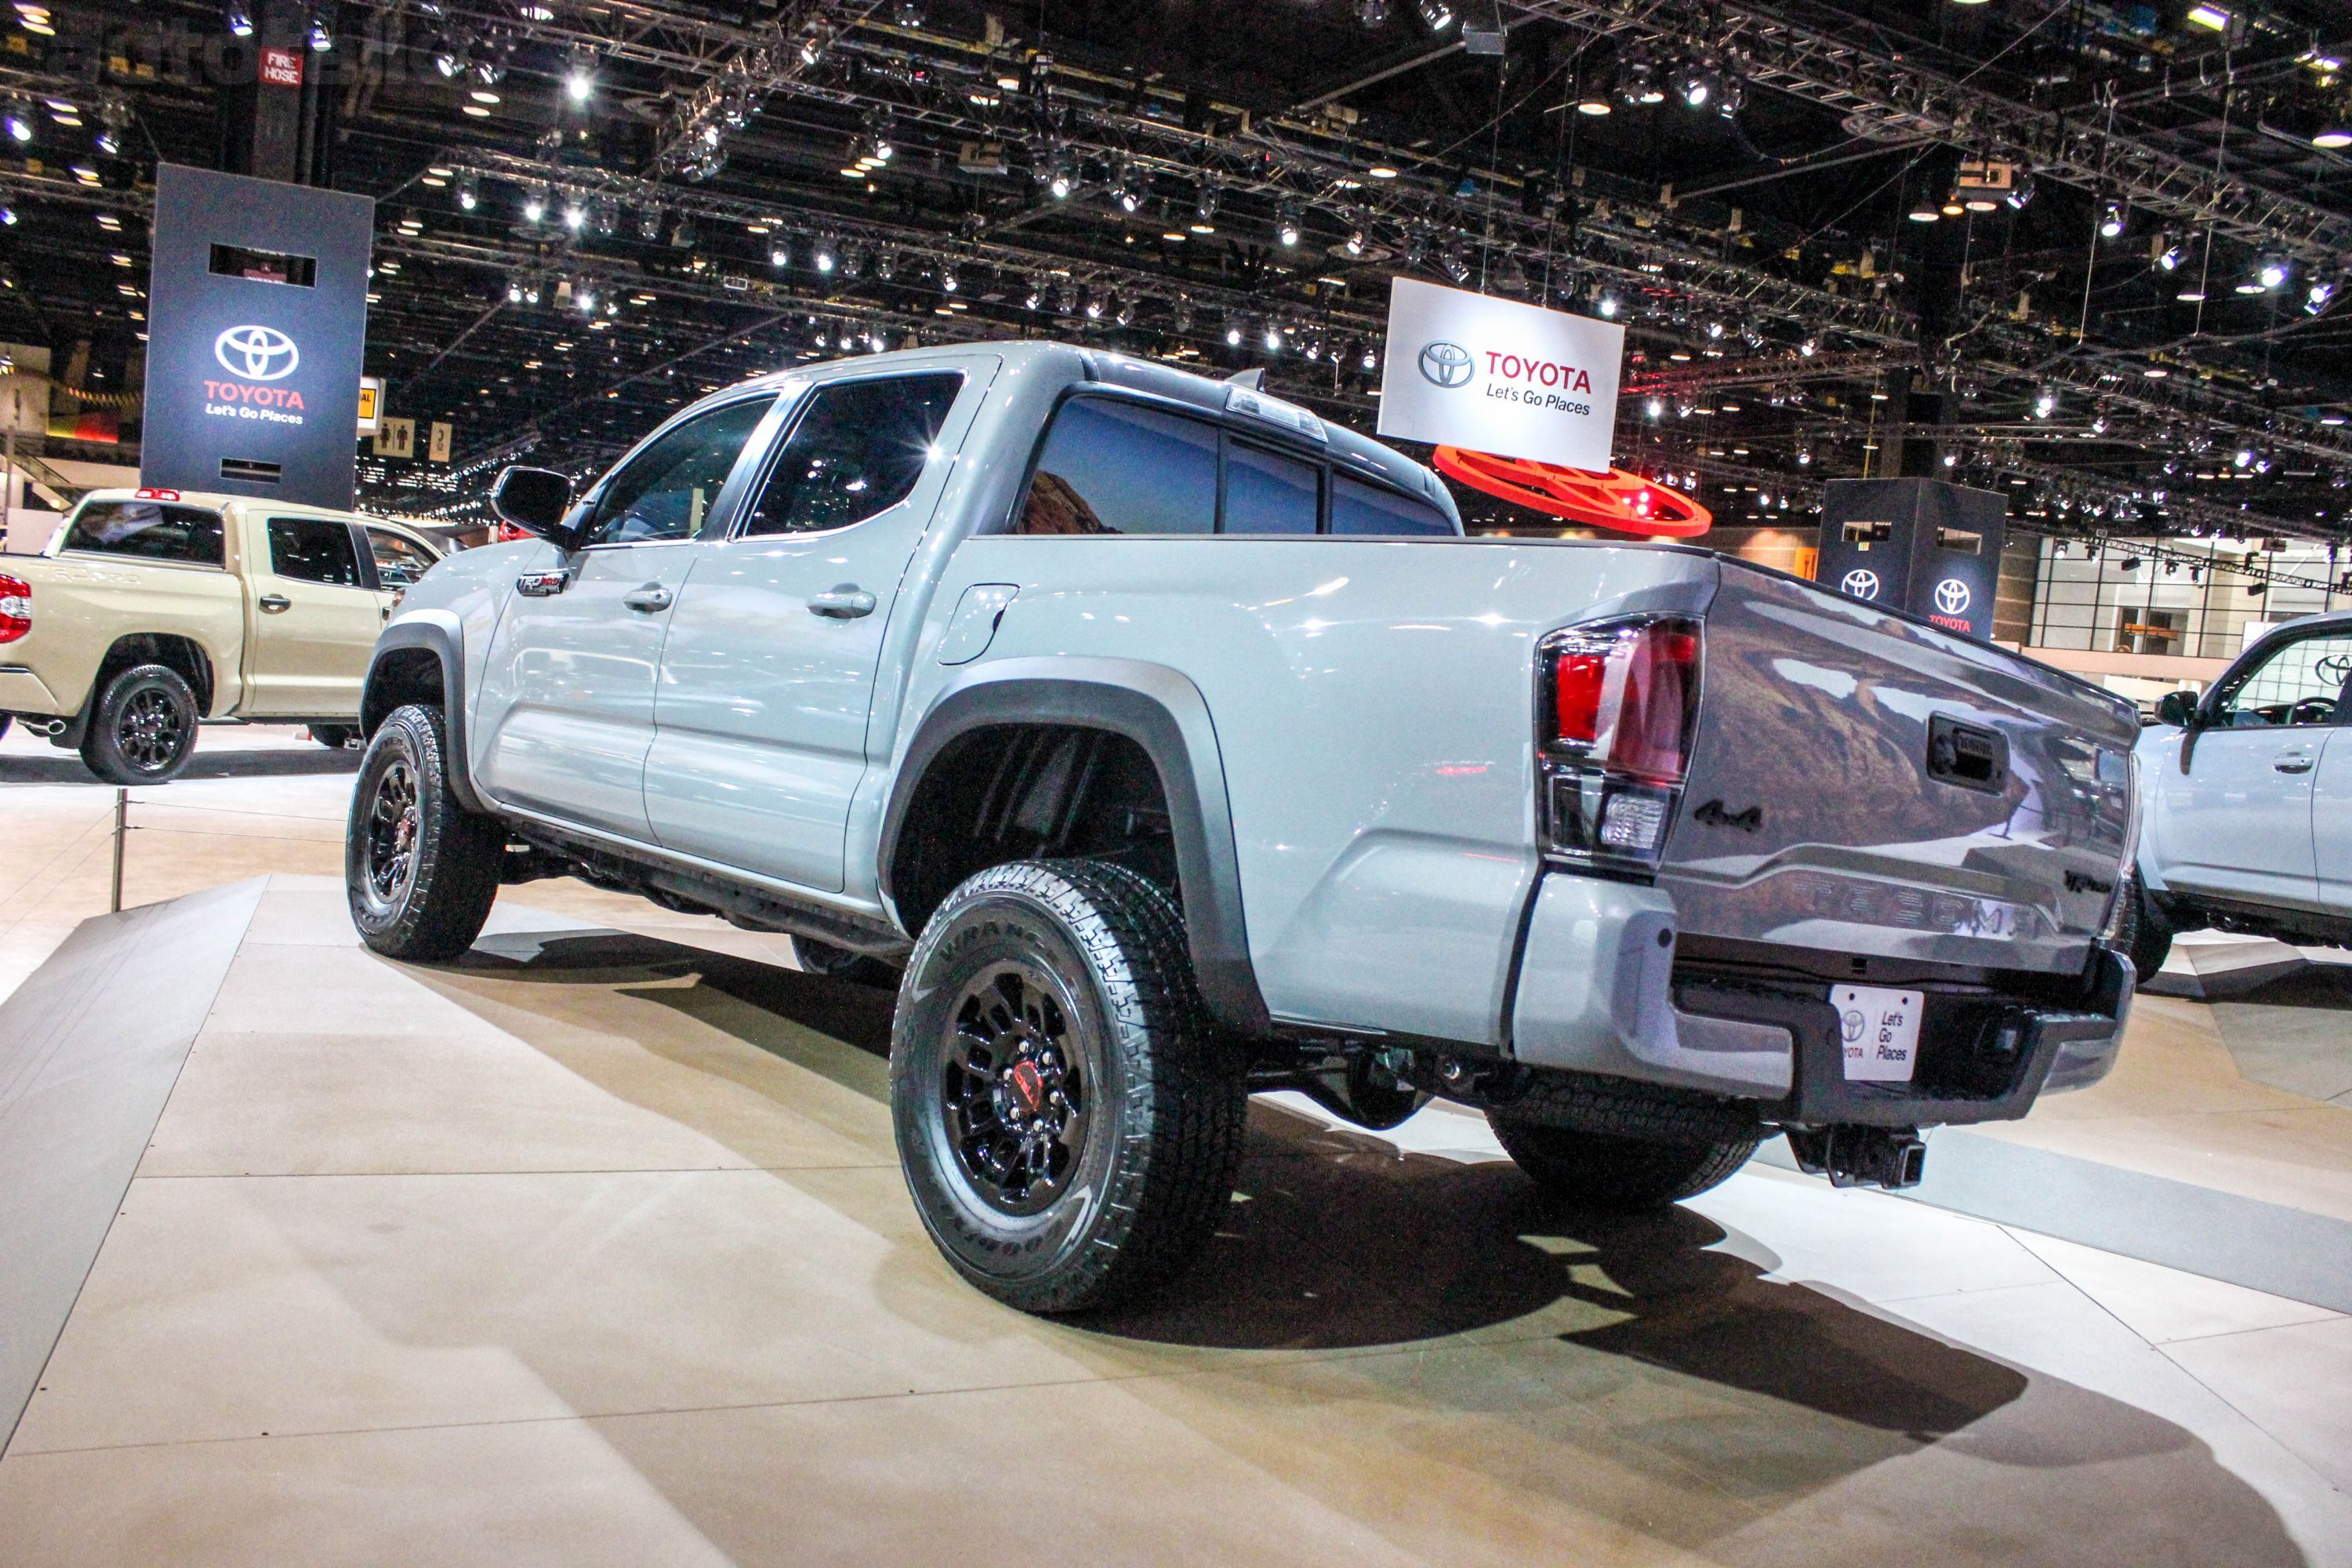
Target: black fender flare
(444, 643)
(1161, 711)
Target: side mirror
(2177, 708)
(534, 499)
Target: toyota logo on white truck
(257, 353)
(1860, 583)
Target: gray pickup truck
(1162, 743)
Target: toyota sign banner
(1469, 370)
(258, 310)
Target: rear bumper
(1600, 991)
(22, 691)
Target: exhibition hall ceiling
(2110, 235)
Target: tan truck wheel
(143, 728)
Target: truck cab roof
(1229, 399)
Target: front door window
(665, 492)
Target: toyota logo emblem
(1861, 584)
(2335, 668)
(1851, 1024)
(1446, 364)
(257, 353)
(1951, 596)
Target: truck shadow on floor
(1640, 1370)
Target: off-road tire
(1165, 1102)
(143, 728)
(435, 908)
(1592, 1171)
(334, 737)
(839, 964)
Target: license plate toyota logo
(1880, 1033)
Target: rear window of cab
(148, 531)
(1110, 466)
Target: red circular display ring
(1605, 497)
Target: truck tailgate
(1868, 784)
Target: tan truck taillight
(15, 607)
(1617, 712)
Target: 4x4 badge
(1714, 815)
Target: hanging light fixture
(534, 204)
(826, 256)
(650, 223)
(580, 74)
(238, 17)
(1127, 187)
(469, 191)
(1435, 14)
(1593, 92)
(1204, 205)
(1286, 223)
(2111, 220)
(1695, 85)
(1355, 242)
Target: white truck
(2246, 822)
(1162, 743)
(152, 609)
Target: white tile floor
(589, 1254)
(582, 1254)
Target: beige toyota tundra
(152, 609)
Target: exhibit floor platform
(591, 1248)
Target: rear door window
(1266, 492)
(856, 450)
(1114, 467)
(1360, 509)
(313, 549)
(148, 530)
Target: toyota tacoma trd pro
(1162, 744)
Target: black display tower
(1928, 546)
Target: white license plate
(1880, 1030)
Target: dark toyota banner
(257, 321)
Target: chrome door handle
(273, 603)
(845, 603)
(2292, 762)
(653, 597)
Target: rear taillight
(1620, 709)
(15, 607)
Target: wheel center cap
(1028, 1085)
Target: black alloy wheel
(145, 729)
(1015, 1086)
(1068, 1114)
(393, 823)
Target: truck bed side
(83, 604)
